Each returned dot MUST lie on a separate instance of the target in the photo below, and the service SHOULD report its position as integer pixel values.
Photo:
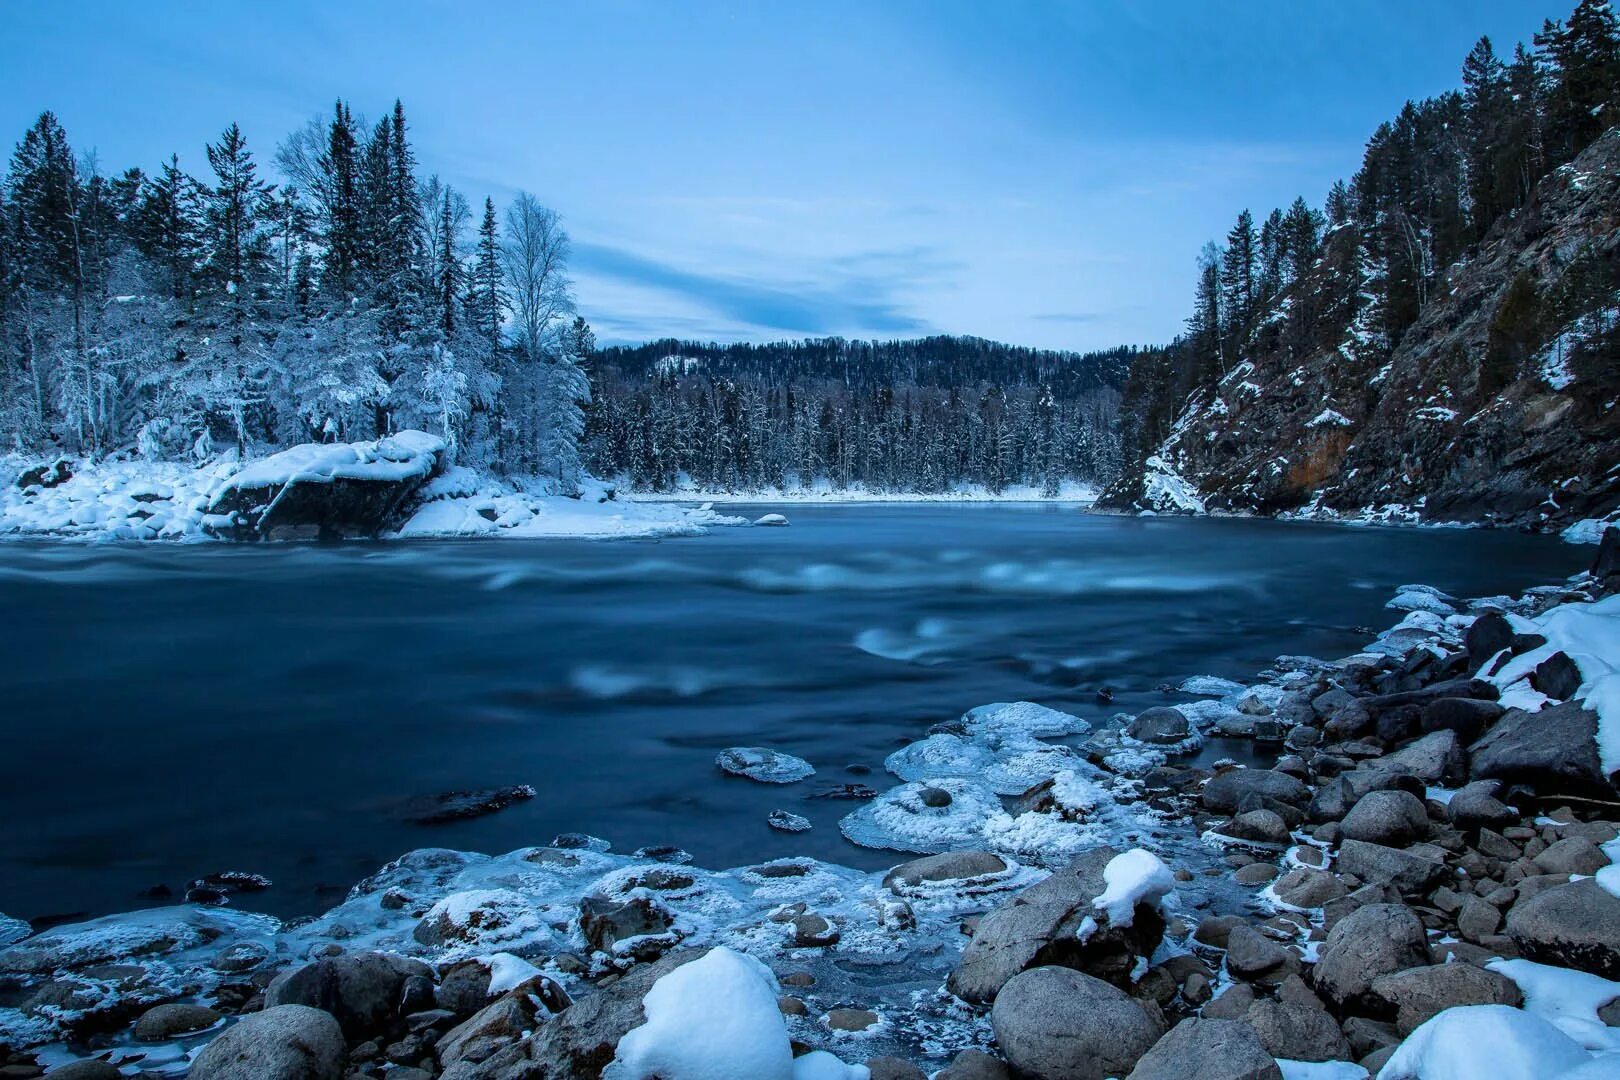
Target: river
(172, 711)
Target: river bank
(1314, 925)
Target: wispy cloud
(853, 294)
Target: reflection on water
(174, 711)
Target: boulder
(1468, 717)
(972, 1065)
(1407, 871)
(1436, 758)
(1251, 955)
(1475, 806)
(1571, 855)
(1209, 1050)
(166, 1021)
(362, 990)
(1553, 751)
(1055, 1023)
(1161, 725)
(329, 490)
(1486, 636)
(606, 920)
(1575, 925)
(1378, 939)
(451, 806)
(500, 1023)
(1296, 1032)
(1418, 993)
(1557, 677)
(284, 1042)
(1238, 790)
(1041, 926)
(86, 1069)
(1392, 818)
(1259, 827)
(893, 1068)
(579, 1042)
(1303, 887)
(946, 866)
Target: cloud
(850, 294)
(1073, 317)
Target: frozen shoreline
(574, 912)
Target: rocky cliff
(1497, 405)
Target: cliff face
(1498, 405)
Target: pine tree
(486, 296)
(1486, 105)
(1586, 56)
(237, 249)
(340, 204)
(1238, 265)
(167, 227)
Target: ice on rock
(763, 764)
(716, 1018)
(1566, 998)
(1021, 718)
(1018, 772)
(786, 821)
(1133, 877)
(1422, 598)
(924, 817)
(777, 520)
(507, 972)
(939, 756)
(1474, 1041)
(1211, 686)
(470, 921)
(12, 930)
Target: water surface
(172, 711)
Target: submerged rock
(462, 805)
(763, 764)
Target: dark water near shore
(174, 711)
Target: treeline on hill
(1355, 275)
(921, 416)
(166, 314)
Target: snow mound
(1474, 1041)
(712, 1019)
(1166, 491)
(1132, 878)
(1567, 999)
(763, 764)
(406, 455)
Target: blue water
(172, 711)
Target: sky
(1036, 172)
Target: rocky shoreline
(1426, 872)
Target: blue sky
(1042, 173)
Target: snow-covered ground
(129, 500)
(824, 492)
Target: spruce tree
(235, 203)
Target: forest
(175, 316)
(1354, 275)
(923, 416)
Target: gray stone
(86, 1069)
(1400, 869)
(1571, 855)
(1391, 818)
(1234, 1003)
(1475, 806)
(1468, 717)
(1371, 941)
(1575, 925)
(1208, 1050)
(1259, 826)
(1554, 750)
(974, 1065)
(1477, 919)
(1251, 955)
(1055, 1023)
(1161, 725)
(1437, 758)
(284, 1042)
(500, 1023)
(362, 990)
(946, 866)
(893, 1068)
(1231, 791)
(1419, 993)
(1297, 1032)
(166, 1021)
(1303, 887)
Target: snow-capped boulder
(325, 489)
